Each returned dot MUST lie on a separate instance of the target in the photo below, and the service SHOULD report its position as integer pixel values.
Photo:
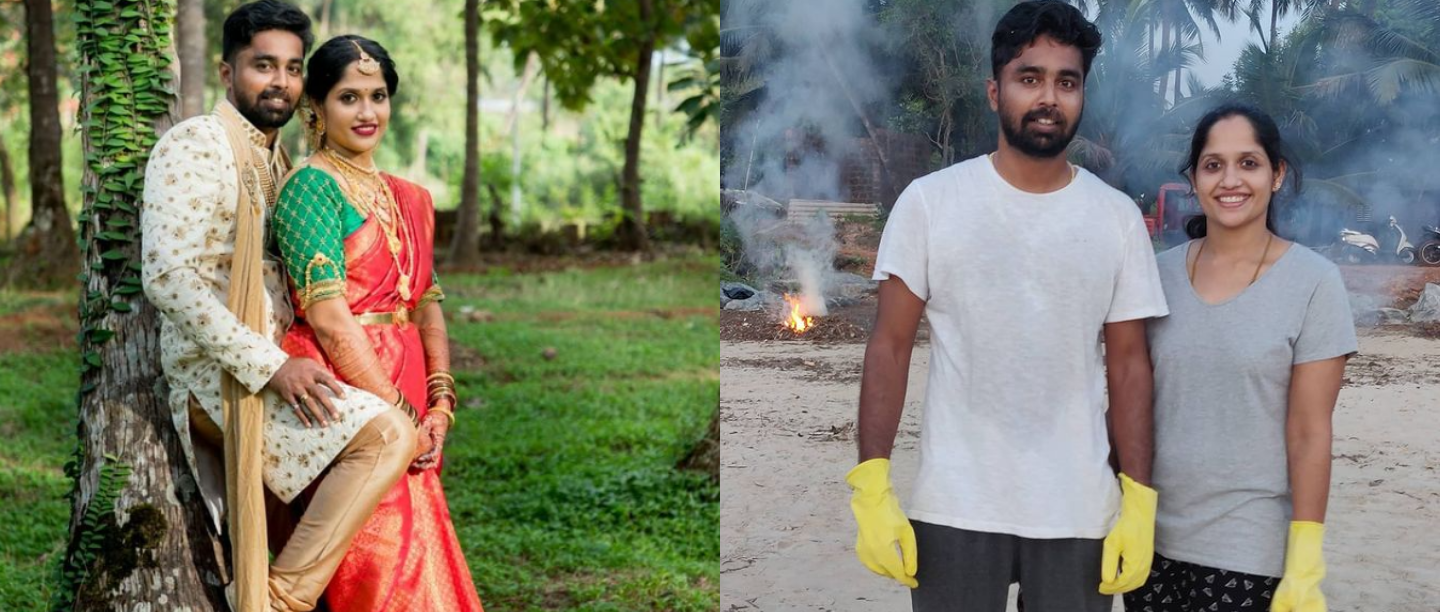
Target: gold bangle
(436, 397)
(404, 405)
(448, 414)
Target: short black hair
(1267, 134)
(327, 66)
(256, 17)
(1028, 21)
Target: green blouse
(312, 220)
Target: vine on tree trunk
(123, 49)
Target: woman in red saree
(358, 246)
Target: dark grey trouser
(971, 571)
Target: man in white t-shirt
(1021, 263)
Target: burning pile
(797, 321)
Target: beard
(1039, 144)
(262, 117)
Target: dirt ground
(787, 428)
(51, 321)
(787, 535)
(845, 324)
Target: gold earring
(317, 133)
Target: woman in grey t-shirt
(1247, 368)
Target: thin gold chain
(1254, 277)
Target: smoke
(1370, 166)
(817, 63)
(801, 255)
(760, 235)
(816, 67)
(811, 256)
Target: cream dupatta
(245, 411)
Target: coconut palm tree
(1403, 54)
(1127, 133)
(1179, 22)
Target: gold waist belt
(401, 316)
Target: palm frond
(1329, 191)
(1335, 85)
(1418, 11)
(1089, 154)
(1386, 42)
(1194, 85)
(1389, 79)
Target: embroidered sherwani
(188, 224)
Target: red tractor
(1166, 220)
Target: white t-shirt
(1018, 287)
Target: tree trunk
(421, 158)
(327, 10)
(465, 246)
(1274, 23)
(49, 256)
(497, 219)
(512, 123)
(1164, 46)
(135, 501)
(660, 93)
(7, 192)
(887, 180)
(632, 234)
(545, 107)
(190, 25)
(705, 455)
(1150, 46)
(1177, 84)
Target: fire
(797, 321)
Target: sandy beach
(787, 534)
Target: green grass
(559, 472)
(37, 424)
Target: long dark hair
(327, 66)
(1266, 133)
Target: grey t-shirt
(1222, 379)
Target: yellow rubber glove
(1299, 589)
(882, 524)
(1130, 547)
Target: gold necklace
(1263, 256)
(365, 184)
(371, 194)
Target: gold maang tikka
(366, 64)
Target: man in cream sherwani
(193, 189)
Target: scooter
(1429, 252)
(1355, 247)
(1404, 251)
